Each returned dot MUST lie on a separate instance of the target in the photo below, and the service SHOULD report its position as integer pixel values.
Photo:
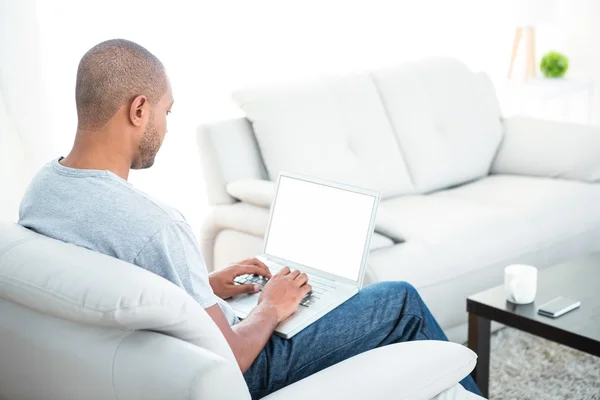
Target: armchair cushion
(549, 149)
(412, 370)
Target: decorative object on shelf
(554, 65)
(527, 14)
(527, 34)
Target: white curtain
(13, 168)
(24, 139)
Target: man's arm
(280, 297)
(173, 253)
(248, 337)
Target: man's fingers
(248, 288)
(252, 269)
(294, 274)
(283, 272)
(306, 289)
(301, 280)
(258, 263)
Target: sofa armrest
(411, 370)
(549, 149)
(242, 217)
(261, 193)
(253, 191)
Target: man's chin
(144, 165)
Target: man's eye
(168, 112)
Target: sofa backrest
(415, 128)
(335, 128)
(61, 282)
(446, 120)
(228, 153)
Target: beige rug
(526, 367)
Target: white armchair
(79, 325)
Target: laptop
(320, 228)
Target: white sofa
(79, 325)
(464, 191)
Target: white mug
(520, 283)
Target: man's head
(122, 84)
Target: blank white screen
(319, 226)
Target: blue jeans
(380, 314)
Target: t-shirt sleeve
(173, 253)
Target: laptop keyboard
(319, 286)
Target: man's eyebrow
(172, 103)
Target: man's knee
(397, 294)
(398, 287)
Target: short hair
(111, 73)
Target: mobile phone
(557, 307)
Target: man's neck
(97, 154)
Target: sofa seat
(467, 234)
(496, 218)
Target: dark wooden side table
(578, 279)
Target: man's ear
(138, 110)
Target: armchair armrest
(549, 149)
(411, 370)
(260, 193)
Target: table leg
(479, 342)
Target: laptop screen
(320, 226)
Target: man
(123, 97)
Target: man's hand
(278, 300)
(222, 281)
(284, 292)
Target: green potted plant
(554, 65)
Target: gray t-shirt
(100, 211)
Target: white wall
(574, 31)
(213, 47)
(583, 46)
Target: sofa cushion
(537, 147)
(495, 219)
(458, 241)
(334, 129)
(260, 193)
(228, 152)
(247, 218)
(446, 119)
(80, 285)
